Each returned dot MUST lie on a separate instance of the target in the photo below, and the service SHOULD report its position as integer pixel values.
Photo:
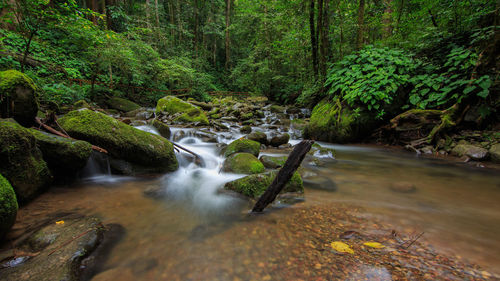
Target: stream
(182, 227)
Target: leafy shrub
(370, 78)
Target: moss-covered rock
(187, 113)
(162, 128)
(277, 109)
(81, 104)
(495, 153)
(8, 206)
(280, 139)
(273, 162)
(255, 185)
(246, 129)
(122, 105)
(472, 151)
(321, 152)
(64, 156)
(243, 145)
(243, 163)
(122, 141)
(18, 97)
(332, 122)
(22, 163)
(258, 137)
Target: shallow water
(171, 237)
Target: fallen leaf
(341, 247)
(59, 222)
(375, 245)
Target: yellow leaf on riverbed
(375, 245)
(341, 247)
(59, 222)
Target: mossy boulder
(243, 145)
(246, 129)
(22, 163)
(162, 128)
(81, 104)
(8, 206)
(184, 111)
(471, 151)
(321, 152)
(332, 122)
(122, 141)
(122, 105)
(273, 162)
(254, 186)
(280, 139)
(18, 97)
(495, 153)
(243, 163)
(258, 137)
(64, 156)
(277, 109)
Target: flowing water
(182, 227)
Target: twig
(198, 159)
(412, 241)
(73, 239)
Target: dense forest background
(371, 54)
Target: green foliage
(370, 78)
(442, 87)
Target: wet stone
(403, 187)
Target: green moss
(277, 109)
(123, 105)
(122, 141)
(81, 104)
(18, 97)
(258, 137)
(243, 163)
(188, 113)
(162, 128)
(317, 150)
(22, 162)
(64, 156)
(247, 116)
(273, 162)
(255, 185)
(8, 206)
(243, 145)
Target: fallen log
(197, 158)
(55, 132)
(284, 175)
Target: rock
(243, 163)
(81, 104)
(280, 139)
(249, 122)
(293, 110)
(63, 249)
(258, 137)
(122, 105)
(471, 151)
(205, 136)
(254, 185)
(187, 113)
(333, 123)
(403, 187)
(428, 149)
(162, 128)
(8, 206)
(495, 153)
(246, 116)
(246, 130)
(273, 162)
(203, 105)
(25, 168)
(285, 122)
(321, 152)
(63, 156)
(122, 141)
(18, 97)
(259, 114)
(243, 145)
(277, 109)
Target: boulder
(277, 109)
(471, 151)
(321, 152)
(495, 153)
(81, 104)
(258, 137)
(254, 186)
(8, 206)
(273, 162)
(243, 163)
(162, 128)
(246, 129)
(63, 156)
(332, 122)
(203, 105)
(243, 145)
(121, 104)
(22, 163)
(18, 97)
(122, 141)
(279, 140)
(184, 111)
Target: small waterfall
(98, 170)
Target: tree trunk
(433, 18)
(157, 14)
(387, 19)
(148, 14)
(324, 37)
(195, 35)
(27, 50)
(284, 175)
(228, 11)
(361, 18)
(314, 44)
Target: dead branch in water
(198, 160)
